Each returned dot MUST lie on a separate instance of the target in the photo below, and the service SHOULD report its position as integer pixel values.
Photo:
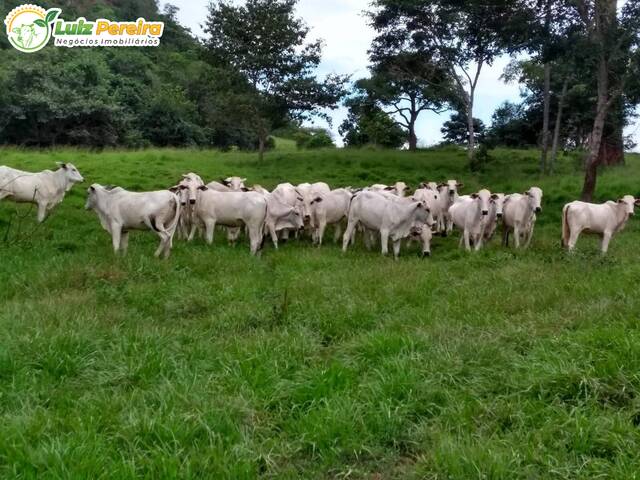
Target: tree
(406, 84)
(368, 124)
(461, 36)
(614, 41)
(266, 43)
(456, 129)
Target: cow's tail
(565, 225)
(171, 228)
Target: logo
(30, 27)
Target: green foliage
(313, 138)
(368, 124)
(308, 363)
(456, 131)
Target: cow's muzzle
(426, 254)
(192, 201)
(499, 215)
(307, 218)
(485, 212)
(452, 192)
(538, 209)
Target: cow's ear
(440, 185)
(203, 188)
(243, 179)
(62, 165)
(183, 187)
(92, 188)
(174, 189)
(474, 195)
(637, 201)
(317, 199)
(460, 185)
(225, 182)
(389, 188)
(620, 200)
(494, 197)
(244, 189)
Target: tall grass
(309, 363)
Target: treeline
(229, 90)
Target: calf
(520, 215)
(120, 211)
(393, 219)
(605, 219)
(46, 189)
(470, 215)
(232, 209)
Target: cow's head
(483, 197)
(189, 188)
(71, 172)
(92, 196)
(498, 201)
(400, 188)
(235, 183)
(534, 194)
(628, 202)
(26, 34)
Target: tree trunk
(595, 139)
(472, 139)
(545, 118)
(413, 139)
(556, 130)
(612, 145)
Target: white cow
(307, 193)
(46, 189)
(520, 215)
(187, 190)
(393, 219)
(398, 188)
(449, 192)
(330, 209)
(281, 217)
(120, 211)
(232, 209)
(433, 199)
(496, 212)
(236, 184)
(470, 214)
(286, 193)
(604, 219)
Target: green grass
(306, 363)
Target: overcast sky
(346, 35)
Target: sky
(343, 27)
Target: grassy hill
(307, 362)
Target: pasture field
(307, 363)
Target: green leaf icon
(51, 16)
(40, 23)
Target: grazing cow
(470, 214)
(281, 217)
(46, 189)
(398, 188)
(232, 209)
(120, 211)
(307, 193)
(520, 215)
(330, 209)
(604, 219)
(449, 191)
(393, 219)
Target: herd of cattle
(389, 212)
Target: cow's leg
(477, 241)
(606, 238)
(337, 232)
(384, 240)
(116, 234)
(573, 238)
(516, 235)
(42, 212)
(529, 236)
(467, 240)
(368, 238)
(322, 226)
(209, 230)
(505, 236)
(124, 242)
(348, 233)
(284, 236)
(396, 248)
(273, 234)
(255, 240)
